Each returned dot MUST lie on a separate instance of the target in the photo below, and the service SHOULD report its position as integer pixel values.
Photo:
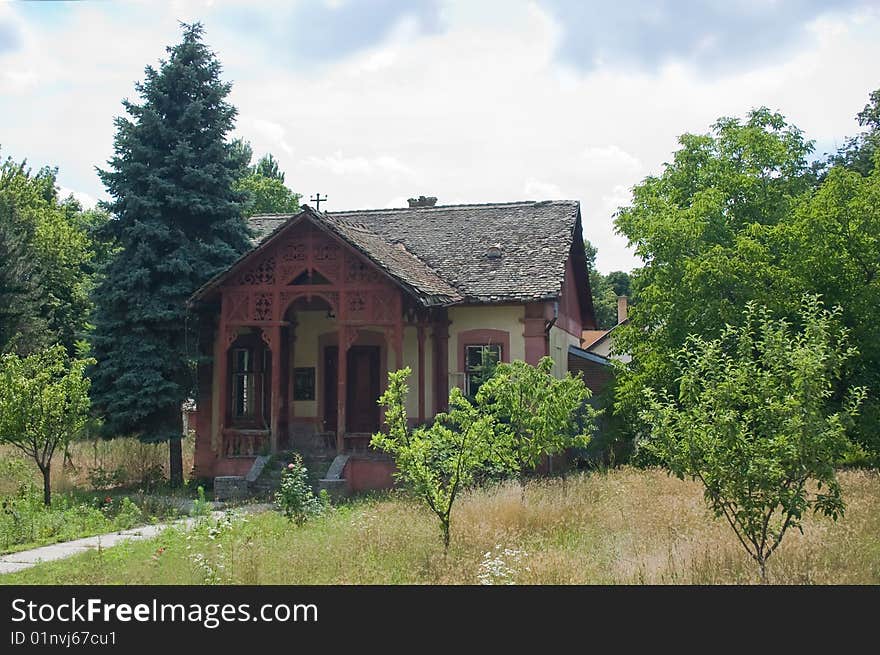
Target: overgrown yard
(624, 526)
(102, 486)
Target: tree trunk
(175, 462)
(47, 490)
(175, 452)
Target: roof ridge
(522, 203)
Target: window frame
(470, 370)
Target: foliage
(439, 460)
(48, 256)
(21, 324)
(176, 223)
(859, 153)
(262, 183)
(268, 167)
(832, 245)
(201, 506)
(295, 496)
(705, 228)
(267, 195)
(44, 403)
(535, 414)
(751, 422)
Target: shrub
(295, 496)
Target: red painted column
(222, 360)
(275, 406)
(341, 389)
(291, 361)
(441, 367)
(421, 336)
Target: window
(479, 364)
(243, 382)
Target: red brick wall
(366, 474)
(596, 375)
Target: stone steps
(269, 479)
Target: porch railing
(245, 443)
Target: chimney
(621, 309)
(422, 201)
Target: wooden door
(362, 410)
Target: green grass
(624, 526)
(79, 508)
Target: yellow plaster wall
(487, 317)
(560, 340)
(310, 325)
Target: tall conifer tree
(178, 222)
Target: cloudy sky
(374, 101)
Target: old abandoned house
(301, 331)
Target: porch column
(221, 356)
(275, 409)
(441, 368)
(291, 369)
(421, 337)
(342, 365)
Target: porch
(302, 346)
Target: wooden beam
(275, 407)
(421, 337)
(341, 389)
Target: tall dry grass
(627, 526)
(71, 472)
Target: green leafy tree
(268, 167)
(48, 247)
(439, 460)
(267, 195)
(751, 422)
(22, 326)
(858, 153)
(535, 414)
(176, 223)
(706, 230)
(832, 245)
(44, 403)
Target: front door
(362, 410)
(362, 382)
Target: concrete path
(25, 559)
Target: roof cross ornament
(317, 199)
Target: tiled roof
(444, 250)
(396, 260)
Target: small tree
(752, 423)
(440, 460)
(536, 414)
(44, 403)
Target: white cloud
(481, 111)
(538, 190)
(86, 200)
(272, 133)
(338, 164)
(17, 82)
